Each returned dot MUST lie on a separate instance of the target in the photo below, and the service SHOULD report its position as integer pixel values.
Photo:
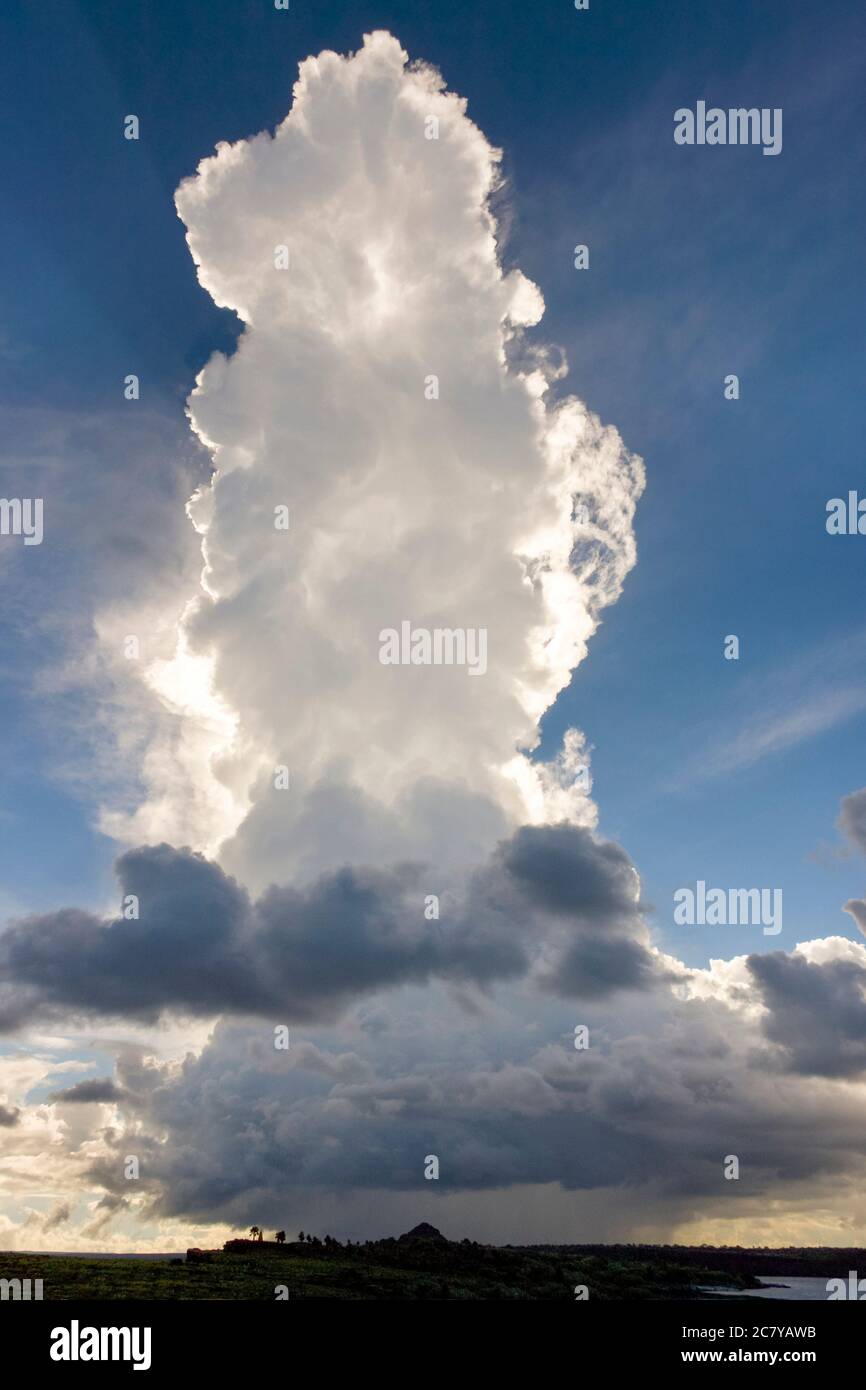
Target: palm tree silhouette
(255, 1231)
(280, 1237)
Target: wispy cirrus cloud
(775, 731)
(774, 713)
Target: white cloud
(452, 512)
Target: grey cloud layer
(202, 946)
(245, 1133)
(815, 1012)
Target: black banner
(157, 1338)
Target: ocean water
(796, 1288)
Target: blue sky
(702, 262)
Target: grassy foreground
(391, 1269)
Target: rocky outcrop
(424, 1232)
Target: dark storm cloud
(568, 872)
(99, 1089)
(816, 1012)
(852, 818)
(201, 946)
(242, 1133)
(591, 886)
(597, 965)
(9, 1116)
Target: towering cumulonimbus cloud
(382, 395)
(575, 1081)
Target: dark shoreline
(759, 1261)
(424, 1264)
